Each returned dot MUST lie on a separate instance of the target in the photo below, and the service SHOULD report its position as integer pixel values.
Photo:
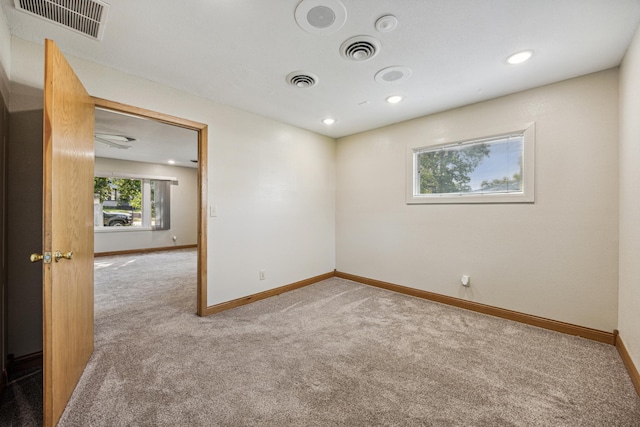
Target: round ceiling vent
(393, 75)
(321, 16)
(302, 79)
(360, 48)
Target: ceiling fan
(114, 141)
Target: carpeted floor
(335, 353)
(21, 401)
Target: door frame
(202, 130)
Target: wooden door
(67, 227)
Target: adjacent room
(146, 178)
(394, 212)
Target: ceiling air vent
(302, 79)
(84, 16)
(360, 48)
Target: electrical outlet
(261, 274)
(465, 280)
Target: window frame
(527, 195)
(147, 201)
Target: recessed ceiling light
(394, 99)
(172, 162)
(520, 57)
(328, 121)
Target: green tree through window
(496, 168)
(129, 191)
(124, 191)
(449, 171)
(102, 187)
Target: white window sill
(120, 229)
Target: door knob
(59, 255)
(46, 258)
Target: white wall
(184, 209)
(629, 292)
(273, 185)
(5, 55)
(556, 258)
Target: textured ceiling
(239, 52)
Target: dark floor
(21, 401)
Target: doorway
(201, 232)
(201, 189)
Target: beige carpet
(336, 353)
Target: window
(137, 203)
(119, 200)
(491, 169)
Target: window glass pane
(476, 167)
(121, 201)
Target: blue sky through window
(503, 161)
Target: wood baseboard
(29, 361)
(143, 251)
(554, 325)
(628, 363)
(217, 308)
